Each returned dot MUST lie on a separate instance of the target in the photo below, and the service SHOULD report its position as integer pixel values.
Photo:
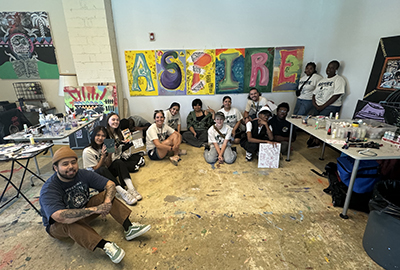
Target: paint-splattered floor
(206, 217)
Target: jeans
(303, 107)
(327, 111)
(202, 137)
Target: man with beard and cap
(67, 208)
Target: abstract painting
(287, 68)
(141, 70)
(91, 99)
(258, 67)
(229, 71)
(171, 72)
(268, 155)
(200, 72)
(26, 46)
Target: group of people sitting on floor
(66, 204)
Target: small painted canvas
(229, 71)
(200, 72)
(258, 67)
(171, 72)
(288, 63)
(141, 71)
(268, 155)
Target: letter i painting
(141, 70)
(229, 71)
(287, 68)
(171, 72)
(258, 66)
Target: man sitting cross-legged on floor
(67, 208)
(257, 131)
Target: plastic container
(376, 129)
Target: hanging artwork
(171, 72)
(258, 66)
(200, 72)
(142, 76)
(91, 99)
(26, 46)
(287, 68)
(229, 71)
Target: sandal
(174, 160)
(182, 152)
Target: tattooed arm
(68, 216)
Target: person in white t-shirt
(233, 118)
(328, 95)
(305, 90)
(173, 117)
(219, 136)
(95, 158)
(161, 139)
(254, 104)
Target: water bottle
(42, 119)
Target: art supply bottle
(331, 115)
(337, 115)
(334, 133)
(32, 140)
(316, 124)
(329, 130)
(26, 128)
(42, 119)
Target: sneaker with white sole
(249, 156)
(141, 162)
(113, 251)
(135, 194)
(127, 197)
(136, 230)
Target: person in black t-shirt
(281, 127)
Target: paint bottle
(331, 115)
(26, 128)
(334, 133)
(316, 124)
(337, 115)
(32, 140)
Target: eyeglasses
(283, 111)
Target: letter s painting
(287, 68)
(171, 72)
(258, 69)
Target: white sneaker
(127, 197)
(249, 156)
(135, 194)
(113, 251)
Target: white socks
(128, 183)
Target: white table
(385, 152)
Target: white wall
(348, 31)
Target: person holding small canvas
(96, 158)
(257, 131)
(219, 136)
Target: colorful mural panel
(287, 68)
(26, 46)
(229, 71)
(258, 67)
(141, 70)
(95, 99)
(200, 72)
(171, 72)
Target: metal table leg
(290, 142)
(322, 152)
(350, 189)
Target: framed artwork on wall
(390, 74)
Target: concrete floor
(205, 217)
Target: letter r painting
(258, 69)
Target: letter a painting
(200, 72)
(229, 71)
(258, 67)
(141, 70)
(171, 72)
(287, 68)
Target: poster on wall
(200, 72)
(288, 62)
(141, 70)
(229, 71)
(258, 67)
(99, 99)
(171, 72)
(26, 46)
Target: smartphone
(110, 144)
